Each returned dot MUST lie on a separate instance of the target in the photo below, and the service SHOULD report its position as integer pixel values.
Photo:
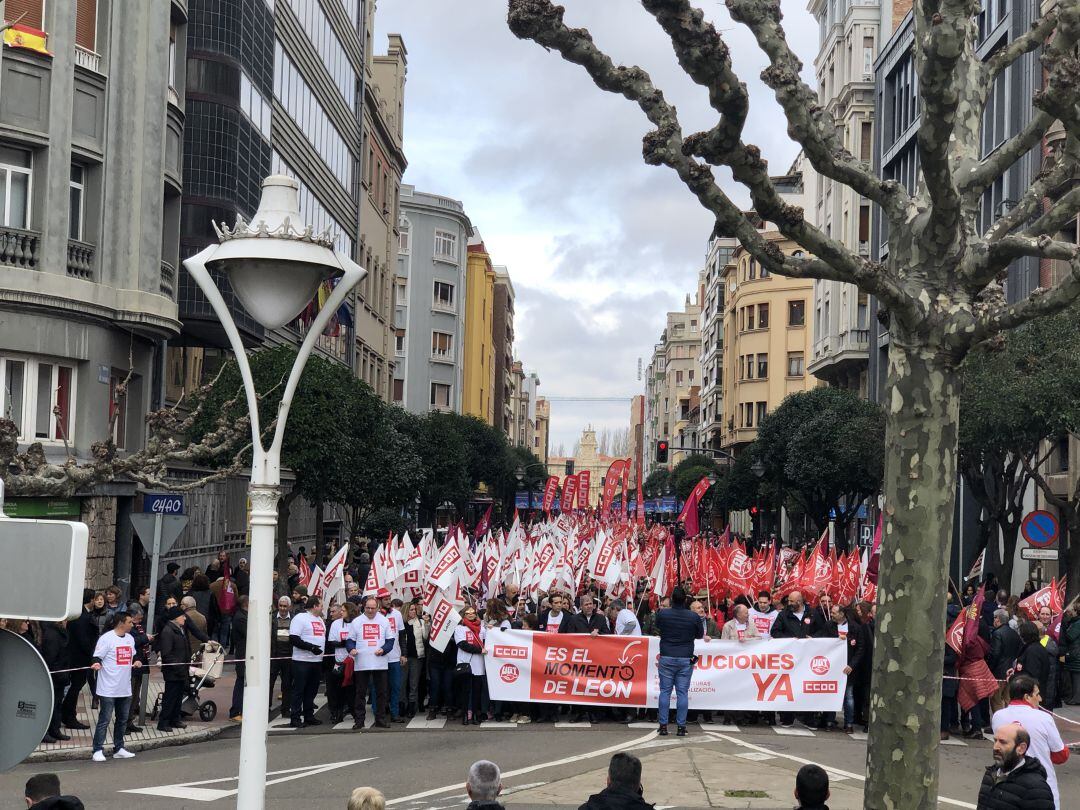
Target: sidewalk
(80, 746)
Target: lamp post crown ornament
(278, 210)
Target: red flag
(955, 635)
(792, 580)
(626, 486)
(714, 571)
(305, 571)
(569, 493)
(549, 492)
(689, 514)
(740, 570)
(484, 524)
(584, 482)
(611, 480)
(817, 575)
(849, 578)
(875, 552)
(1046, 597)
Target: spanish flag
(22, 36)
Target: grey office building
(91, 133)
(429, 302)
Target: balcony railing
(19, 248)
(80, 260)
(167, 285)
(87, 59)
(438, 356)
(173, 96)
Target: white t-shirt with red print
(368, 635)
(116, 653)
(312, 629)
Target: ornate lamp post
(275, 266)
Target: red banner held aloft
(689, 515)
(569, 493)
(550, 489)
(584, 482)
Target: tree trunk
(322, 552)
(1010, 530)
(920, 491)
(1069, 561)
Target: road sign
(46, 567)
(171, 526)
(1039, 553)
(26, 699)
(167, 503)
(1040, 528)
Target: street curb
(85, 751)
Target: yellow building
(767, 340)
(478, 372)
(587, 458)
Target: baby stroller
(206, 666)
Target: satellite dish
(26, 699)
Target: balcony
(85, 58)
(834, 356)
(173, 96)
(80, 260)
(442, 356)
(167, 285)
(19, 248)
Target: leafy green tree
(738, 488)
(656, 483)
(1016, 400)
(824, 450)
(687, 473)
(443, 452)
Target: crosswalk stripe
(423, 723)
(573, 725)
(792, 731)
(719, 727)
(953, 741)
(858, 735)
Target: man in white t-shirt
(114, 658)
(623, 620)
(393, 658)
(369, 641)
(763, 614)
(307, 634)
(556, 617)
(1046, 743)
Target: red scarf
(474, 626)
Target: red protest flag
(1045, 597)
(740, 570)
(689, 514)
(569, 493)
(584, 482)
(484, 524)
(550, 488)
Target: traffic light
(753, 510)
(661, 452)
(569, 466)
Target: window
(117, 409)
(690, 375)
(751, 273)
(749, 366)
(763, 366)
(30, 390)
(442, 346)
(401, 292)
(404, 240)
(750, 322)
(864, 311)
(14, 187)
(795, 364)
(446, 245)
(440, 395)
(75, 203)
(1062, 452)
(327, 45)
(763, 316)
(678, 378)
(693, 326)
(399, 342)
(761, 408)
(254, 105)
(866, 141)
(399, 390)
(172, 55)
(796, 313)
(444, 296)
(85, 22)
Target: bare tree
(940, 286)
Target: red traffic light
(662, 445)
(753, 510)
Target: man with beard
(1015, 780)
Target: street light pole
(275, 266)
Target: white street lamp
(274, 265)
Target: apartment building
(672, 382)
(502, 339)
(478, 394)
(540, 445)
(718, 256)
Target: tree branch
(808, 123)
(1025, 43)
(1001, 159)
(1040, 302)
(1062, 166)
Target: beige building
(543, 425)
(587, 458)
(383, 165)
(767, 339)
(637, 438)
(672, 382)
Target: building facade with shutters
(430, 302)
(91, 133)
(478, 372)
(502, 338)
(543, 427)
(711, 431)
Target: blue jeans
(121, 706)
(394, 677)
(674, 672)
(849, 702)
(223, 631)
(440, 687)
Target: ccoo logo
(509, 673)
(819, 665)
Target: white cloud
(599, 245)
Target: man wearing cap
(281, 653)
(172, 643)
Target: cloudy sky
(599, 245)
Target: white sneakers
(123, 753)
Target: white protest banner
(444, 620)
(801, 675)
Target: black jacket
(59, 803)
(55, 646)
(564, 626)
(949, 685)
(168, 586)
(239, 633)
(1005, 645)
(788, 625)
(581, 624)
(679, 627)
(614, 797)
(82, 638)
(1033, 660)
(857, 642)
(1023, 788)
(484, 805)
(172, 643)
